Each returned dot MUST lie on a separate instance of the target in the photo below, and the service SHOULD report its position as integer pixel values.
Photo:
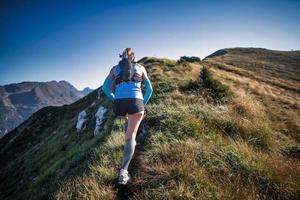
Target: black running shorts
(124, 106)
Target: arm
(148, 86)
(107, 85)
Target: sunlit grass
(198, 147)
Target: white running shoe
(124, 177)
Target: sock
(128, 152)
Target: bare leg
(130, 143)
(133, 124)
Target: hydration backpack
(127, 72)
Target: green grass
(218, 90)
(211, 87)
(190, 159)
(204, 142)
(50, 150)
(97, 182)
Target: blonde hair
(130, 53)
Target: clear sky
(79, 42)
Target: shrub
(189, 59)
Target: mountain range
(19, 100)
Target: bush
(189, 59)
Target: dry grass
(259, 88)
(86, 187)
(245, 105)
(202, 150)
(277, 95)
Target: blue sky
(79, 42)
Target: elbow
(150, 89)
(148, 85)
(103, 89)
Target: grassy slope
(272, 77)
(200, 144)
(46, 149)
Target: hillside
(213, 130)
(272, 77)
(19, 100)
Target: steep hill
(19, 100)
(205, 136)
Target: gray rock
(81, 121)
(99, 119)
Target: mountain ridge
(19, 100)
(215, 130)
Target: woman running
(128, 101)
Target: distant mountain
(19, 100)
(86, 91)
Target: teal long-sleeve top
(107, 89)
